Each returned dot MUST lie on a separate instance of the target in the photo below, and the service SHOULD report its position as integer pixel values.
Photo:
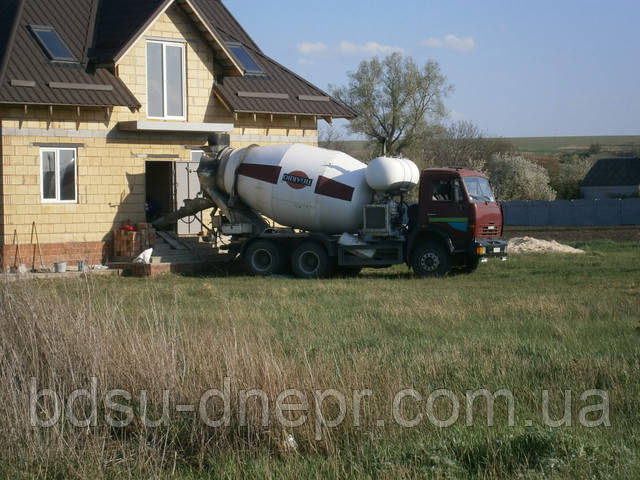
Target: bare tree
(331, 136)
(459, 144)
(462, 145)
(395, 100)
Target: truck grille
(490, 231)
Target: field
(567, 144)
(535, 323)
(620, 144)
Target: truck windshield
(479, 189)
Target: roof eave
(7, 53)
(350, 115)
(289, 113)
(72, 105)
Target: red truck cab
(458, 224)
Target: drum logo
(297, 180)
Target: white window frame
(164, 78)
(57, 151)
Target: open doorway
(159, 190)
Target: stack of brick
(127, 243)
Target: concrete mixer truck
(316, 212)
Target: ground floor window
(59, 174)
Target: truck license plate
(496, 250)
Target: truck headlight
(481, 250)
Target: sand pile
(534, 245)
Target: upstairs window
(52, 44)
(244, 58)
(166, 81)
(58, 175)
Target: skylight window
(244, 58)
(51, 43)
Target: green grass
(536, 322)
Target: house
(612, 178)
(106, 104)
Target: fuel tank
(386, 174)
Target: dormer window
(166, 82)
(244, 58)
(52, 44)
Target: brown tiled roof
(614, 172)
(101, 30)
(221, 19)
(237, 93)
(118, 23)
(23, 58)
(277, 79)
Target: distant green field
(620, 143)
(559, 144)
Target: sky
(519, 68)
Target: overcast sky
(520, 68)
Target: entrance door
(188, 187)
(159, 189)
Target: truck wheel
(310, 260)
(471, 265)
(263, 258)
(430, 259)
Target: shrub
(516, 178)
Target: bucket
(60, 267)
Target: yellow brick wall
(110, 181)
(202, 104)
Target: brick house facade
(83, 145)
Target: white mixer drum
(386, 174)
(300, 186)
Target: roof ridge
(11, 40)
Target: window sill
(188, 127)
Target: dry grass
(530, 324)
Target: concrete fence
(609, 212)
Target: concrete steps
(173, 254)
(165, 253)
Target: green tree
(594, 149)
(571, 172)
(395, 100)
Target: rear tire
(430, 259)
(471, 265)
(310, 260)
(264, 258)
